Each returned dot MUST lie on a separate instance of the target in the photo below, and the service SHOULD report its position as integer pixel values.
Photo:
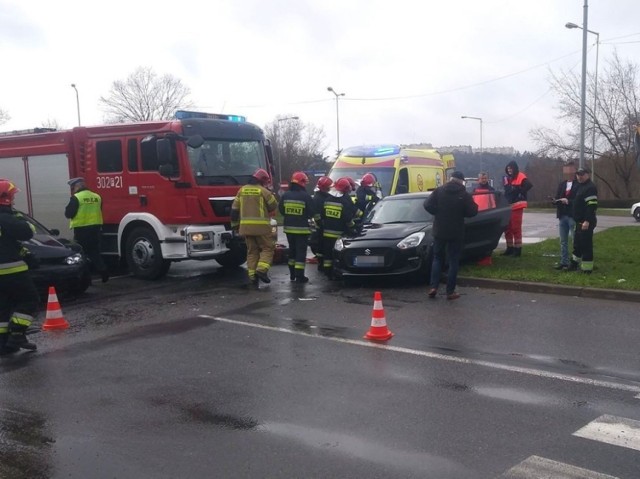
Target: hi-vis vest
(484, 198)
(522, 202)
(89, 210)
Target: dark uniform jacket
(13, 229)
(337, 216)
(586, 203)
(561, 208)
(318, 204)
(365, 196)
(450, 204)
(296, 207)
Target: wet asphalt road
(199, 376)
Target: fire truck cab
(166, 186)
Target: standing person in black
(450, 204)
(563, 200)
(337, 218)
(324, 186)
(18, 294)
(585, 206)
(296, 207)
(84, 211)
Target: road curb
(546, 288)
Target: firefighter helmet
(352, 183)
(300, 178)
(343, 185)
(324, 183)
(262, 176)
(7, 192)
(368, 179)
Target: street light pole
(73, 85)
(595, 93)
(280, 156)
(338, 95)
(481, 150)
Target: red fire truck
(167, 186)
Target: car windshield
(399, 210)
(383, 175)
(220, 162)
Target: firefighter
(324, 186)
(366, 196)
(84, 211)
(337, 218)
(585, 205)
(250, 217)
(18, 295)
(296, 207)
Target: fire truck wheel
(144, 256)
(234, 257)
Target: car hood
(47, 247)
(388, 231)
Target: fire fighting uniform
(18, 295)
(296, 207)
(337, 218)
(318, 206)
(585, 206)
(366, 198)
(84, 211)
(516, 187)
(250, 215)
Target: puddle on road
(25, 445)
(200, 414)
(310, 328)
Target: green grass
(616, 263)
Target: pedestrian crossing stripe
(618, 431)
(536, 467)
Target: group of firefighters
(326, 215)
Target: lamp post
(481, 150)
(571, 25)
(73, 85)
(280, 156)
(338, 95)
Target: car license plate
(368, 261)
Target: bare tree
(617, 110)
(144, 96)
(51, 123)
(297, 146)
(4, 116)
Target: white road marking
(536, 467)
(618, 431)
(426, 354)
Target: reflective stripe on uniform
(21, 319)
(4, 328)
(14, 267)
(297, 230)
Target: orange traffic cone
(54, 319)
(486, 261)
(378, 330)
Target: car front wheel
(636, 214)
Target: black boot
(18, 339)
(573, 266)
(508, 251)
(292, 272)
(263, 276)
(300, 277)
(4, 350)
(517, 252)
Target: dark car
(57, 261)
(395, 237)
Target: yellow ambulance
(397, 169)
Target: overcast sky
(409, 69)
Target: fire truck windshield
(226, 162)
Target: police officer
(585, 205)
(324, 186)
(337, 219)
(18, 294)
(366, 196)
(85, 212)
(250, 216)
(296, 207)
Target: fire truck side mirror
(195, 141)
